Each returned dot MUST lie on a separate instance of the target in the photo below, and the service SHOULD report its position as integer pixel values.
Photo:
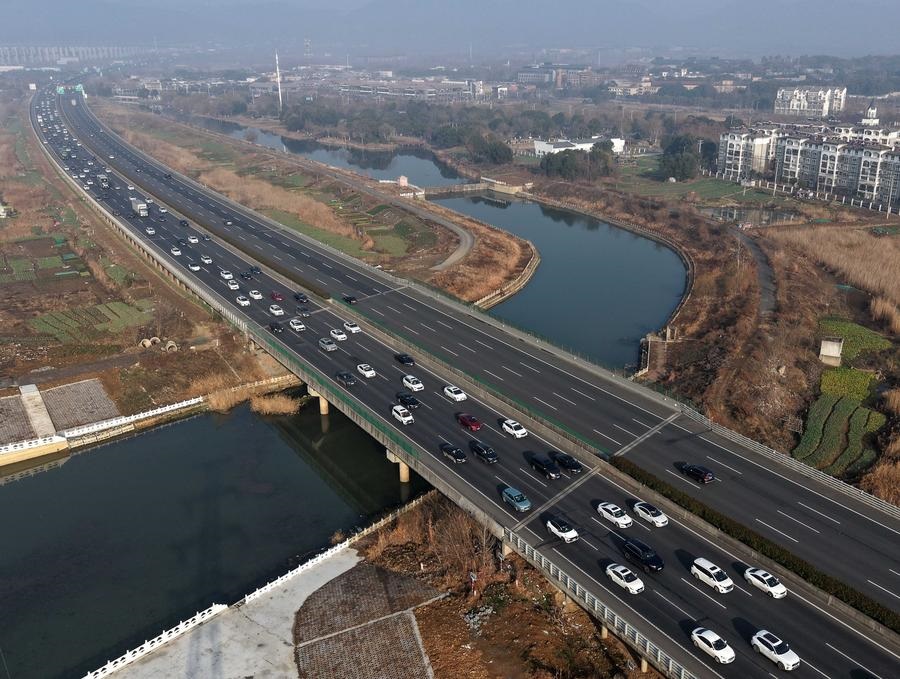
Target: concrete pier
(404, 468)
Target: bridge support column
(404, 468)
(604, 632)
(644, 666)
(323, 402)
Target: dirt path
(767, 286)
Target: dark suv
(567, 462)
(638, 552)
(483, 452)
(699, 473)
(546, 466)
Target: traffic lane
(736, 615)
(766, 509)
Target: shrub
(846, 382)
(764, 546)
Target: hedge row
(764, 546)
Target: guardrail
(661, 660)
(796, 465)
(28, 444)
(94, 427)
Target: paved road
(673, 603)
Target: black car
(205, 237)
(349, 299)
(256, 270)
(453, 453)
(546, 466)
(405, 359)
(642, 554)
(567, 462)
(168, 175)
(182, 242)
(275, 327)
(345, 378)
(183, 222)
(246, 275)
(407, 400)
(483, 452)
(300, 297)
(699, 473)
(303, 311)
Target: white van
(706, 571)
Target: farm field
(87, 324)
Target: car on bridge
(455, 454)
(181, 222)
(338, 334)
(405, 359)
(301, 297)
(176, 251)
(150, 231)
(246, 275)
(643, 554)
(256, 270)
(206, 259)
(776, 650)
(516, 499)
(483, 451)
(412, 383)
(349, 299)
(297, 325)
(303, 311)
(766, 582)
(345, 378)
(366, 370)
(327, 345)
(276, 296)
(625, 578)
(407, 400)
(699, 473)
(650, 514)
(514, 429)
(713, 645)
(276, 310)
(470, 422)
(401, 414)
(226, 274)
(276, 328)
(567, 462)
(454, 393)
(255, 294)
(615, 515)
(233, 285)
(710, 574)
(242, 301)
(193, 239)
(545, 466)
(562, 529)
(352, 327)
(193, 266)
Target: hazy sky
(448, 26)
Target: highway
(615, 416)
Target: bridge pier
(323, 402)
(404, 468)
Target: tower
(278, 81)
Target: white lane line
(378, 312)
(478, 341)
(883, 589)
(396, 311)
(596, 549)
(565, 399)
(822, 514)
(807, 662)
(467, 348)
(411, 308)
(352, 278)
(278, 258)
(877, 676)
(494, 375)
(427, 327)
(893, 571)
(531, 476)
(321, 281)
(492, 429)
(700, 591)
(630, 433)
(581, 393)
(681, 478)
(722, 464)
(411, 330)
(449, 351)
(544, 402)
(775, 529)
(511, 370)
(674, 605)
(449, 327)
(525, 365)
(788, 516)
(597, 431)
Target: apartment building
(743, 153)
(810, 102)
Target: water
(127, 539)
(419, 166)
(599, 289)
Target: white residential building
(810, 102)
(542, 148)
(744, 152)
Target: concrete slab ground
(36, 411)
(78, 403)
(14, 422)
(255, 640)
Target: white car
(713, 645)
(192, 238)
(562, 529)
(413, 383)
(775, 650)
(149, 201)
(366, 370)
(130, 187)
(296, 324)
(614, 514)
(150, 231)
(255, 294)
(193, 266)
(710, 574)
(242, 301)
(338, 334)
(206, 259)
(651, 514)
(765, 581)
(624, 578)
(352, 327)
(454, 393)
(514, 429)
(402, 415)
(226, 274)
(276, 310)
(112, 157)
(176, 251)
(233, 285)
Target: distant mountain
(449, 26)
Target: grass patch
(83, 324)
(815, 423)
(834, 434)
(342, 243)
(52, 262)
(857, 339)
(390, 243)
(846, 382)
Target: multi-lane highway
(814, 521)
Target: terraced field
(89, 323)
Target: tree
(680, 158)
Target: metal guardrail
(129, 419)
(661, 660)
(28, 444)
(797, 466)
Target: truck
(103, 180)
(139, 207)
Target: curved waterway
(125, 540)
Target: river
(124, 540)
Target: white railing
(156, 642)
(94, 427)
(19, 446)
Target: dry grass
(884, 482)
(862, 259)
(9, 164)
(892, 401)
(887, 312)
(275, 404)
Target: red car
(277, 296)
(470, 422)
